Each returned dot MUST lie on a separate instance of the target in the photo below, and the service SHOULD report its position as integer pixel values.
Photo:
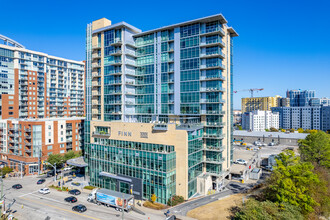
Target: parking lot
(30, 204)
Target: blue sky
(282, 44)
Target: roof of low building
(270, 134)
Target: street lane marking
(28, 194)
(77, 213)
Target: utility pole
(122, 215)
(21, 169)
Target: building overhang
(232, 32)
(77, 162)
(204, 19)
(114, 176)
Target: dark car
(79, 208)
(71, 199)
(41, 181)
(74, 192)
(17, 186)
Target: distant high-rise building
(260, 120)
(37, 85)
(259, 103)
(159, 107)
(319, 102)
(300, 98)
(283, 102)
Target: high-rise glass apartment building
(159, 107)
(38, 85)
(300, 98)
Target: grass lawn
(216, 210)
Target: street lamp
(53, 167)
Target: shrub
(175, 200)
(89, 187)
(155, 205)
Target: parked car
(241, 161)
(74, 192)
(271, 144)
(44, 191)
(17, 186)
(79, 208)
(71, 199)
(41, 181)
(269, 168)
(67, 168)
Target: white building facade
(260, 120)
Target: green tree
(266, 210)
(239, 127)
(6, 170)
(291, 182)
(56, 158)
(315, 148)
(69, 155)
(300, 130)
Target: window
(49, 127)
(62, 151)
(49, 141)
(49, 133)
(61, 126)
(11, 113)
(50, 147)
(61, 145)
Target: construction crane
(250, 90)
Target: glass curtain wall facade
(182, 70)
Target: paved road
(232, 188)
(32, 205)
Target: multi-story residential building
(260, 120)
(325, 118)
(319, 102)
(260, 103)
(308, 117)
(283, 102)
(237, 116)
(37, 85)
(24, 143)
(159, 107)
(300, 98)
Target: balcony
(214, 148)
(96, 84)
(101, 134)
(212, 31)
(210, 66)
(212, 112)
(214, 160)
(96, 56)
(96, 65)
(212, 77)
(116, 42)
(211, 89)
(116, 63)
(27, 136)
(215, 124)
(116, 53)
(96, 74)
(96, 102)
(212, 43)
(97, 46)
(214, 136)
